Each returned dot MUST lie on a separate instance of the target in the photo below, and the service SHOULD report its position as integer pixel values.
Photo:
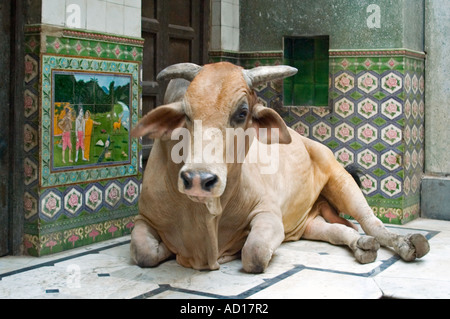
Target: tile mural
(82, 169)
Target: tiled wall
(375, 120)
(75, 206)
(120, 17)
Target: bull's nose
(199, 180)
(208, 181)
(187, 178)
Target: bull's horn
(186, 71)
(264, 74)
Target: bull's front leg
(147, 249)
(266, 235)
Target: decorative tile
(301, 128)
(407, 83)
(321, 131)
(30, 138)
(30, 103)
(344, 132)
(368, 184)
(367, 83)
(407, 109)
(391, 160)
(73, 201)
(30, 206)
(414, 158)
(407, 185)
(344, 107)
(345, 82)
(367, 108)
(391, 186)
(131, 192)
(113, 194)
(415, 84)
(406, 160)
(415, 109)
(414, 134)
(391, 134)
(367, 133)
(51, 204)
(30, 171)
(367, 159)
(391, 109)
(421, 84)
(93, 198)
(391, 83)
(345, 157)
(31, 68)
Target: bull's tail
(355, 171)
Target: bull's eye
(240, 116)
(243, 115)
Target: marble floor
(299, 270)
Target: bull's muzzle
(199, 185)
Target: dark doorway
(175, 31)
(11, 123)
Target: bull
(208, 212)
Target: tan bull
(209, 212)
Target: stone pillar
(436, 182)
(225, 25)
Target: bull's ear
(269, 126)
(161, 122)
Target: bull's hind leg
(147, 249)
(344, 194)
(364, 247)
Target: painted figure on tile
(80, 130)
(88, 129)
(65, 125)
(117, 125)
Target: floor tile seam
(52, 263)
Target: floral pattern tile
(73, 201)
(113, 194)
(51, 204)
(93, 198)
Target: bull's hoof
(413, 246)
(366, 249)
(256, 261)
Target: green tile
(356, 95)
(321, 72)
(379, 95)
(333, 145)
(356, 120)
(332, 119)
(305, 72)
(379, 147)
(321, 95)
(303, 94)
(356, 146)
(379, 172)
(379, 121)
